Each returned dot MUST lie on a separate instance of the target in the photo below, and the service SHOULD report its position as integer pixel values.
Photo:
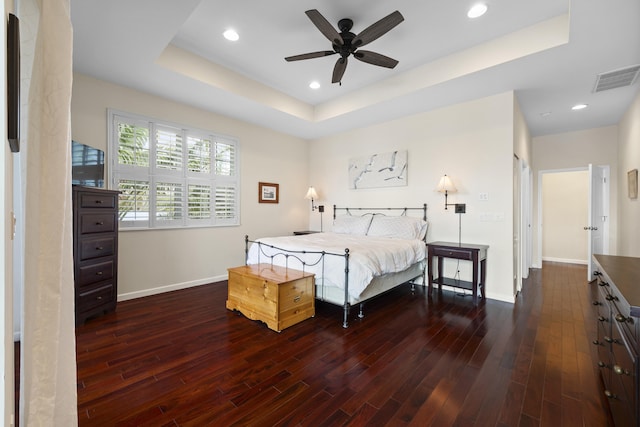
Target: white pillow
(347, 224)
(401, 227)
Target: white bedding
(369, 256)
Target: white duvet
(369, 256)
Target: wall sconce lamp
(446, 186)
(311, 194)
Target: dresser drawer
(97, 223)
(96, 247)
(96, 200)
(624, 363)
(453, 253)
(98, 297)
(95, 273)
(296, 294)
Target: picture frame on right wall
(632, 183)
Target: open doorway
(573, 214)
(565, 198)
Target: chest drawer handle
(99, 248)
(610, 395)
(100, 223)
(608, 339)
(296, 298)
(597, 303)
(620, 318)
(611, 298)
(99, 273)
(601, 364)
(602, 318)
(99, 202)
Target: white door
(598, 227)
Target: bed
(369, 252)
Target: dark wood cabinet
(618, 337)
(95, 251)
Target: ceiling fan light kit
(345, 43)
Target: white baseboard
(169, 288)
(565, 260)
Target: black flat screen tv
(87, 165)
(13, 83)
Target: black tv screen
(87, 165)
(13, 83)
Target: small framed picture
(632, 182)
(268, 192)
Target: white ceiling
(548, 51)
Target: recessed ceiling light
(231, 35)
(477, 10)
(579, 107)
(314, 85)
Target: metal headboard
(373, 211)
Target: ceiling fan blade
(338, 70)
(325, 27)
(375, 58)
(310, 55)
(377, 29)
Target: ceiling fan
(345, 43)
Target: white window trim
(185, 177)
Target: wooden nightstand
(477, 254)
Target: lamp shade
(446, 185)
(311, 194)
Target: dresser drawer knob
(99, 248)
(99, 202)
(99, 273)
(597, 303)
(601, 364)
(618, 370)
(296, 298)
(596, 342)
(602, 318)
(99, 298)
(608, 339)
(100, 223)
(611, 298)
(609, 394)
(620, 318)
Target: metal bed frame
(297, 255)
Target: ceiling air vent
(618, 78)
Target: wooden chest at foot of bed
(277, 296)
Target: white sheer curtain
(48, 382)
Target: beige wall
(565, 199)
(575, 150)
(628, 159)
(471, 142)
(158, 260)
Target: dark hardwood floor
(182, 359)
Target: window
(172, 176)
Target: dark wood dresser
(618, 340)
(95, 251)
